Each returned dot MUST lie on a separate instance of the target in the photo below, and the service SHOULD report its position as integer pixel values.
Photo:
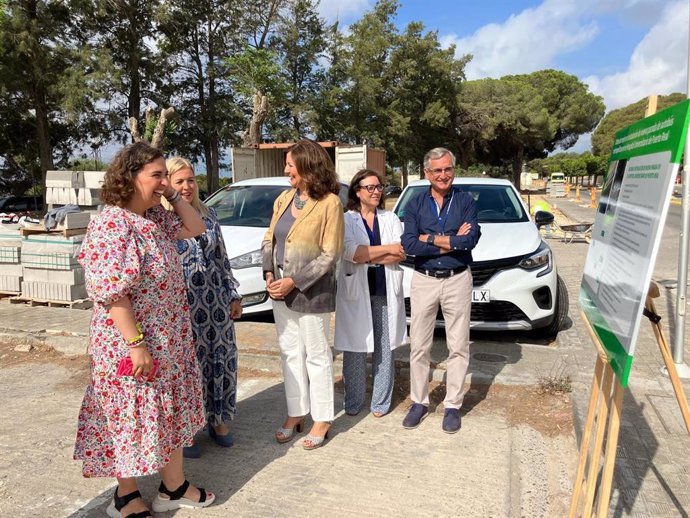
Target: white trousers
(307, 362)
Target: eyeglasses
(371, 188)
(438, 172)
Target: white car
(516, 285)
(244, 211)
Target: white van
(557, 178)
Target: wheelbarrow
(581, 231)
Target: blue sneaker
(226, 441)
(451, 420)
(415, 416)
(192, 452)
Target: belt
(442, 274)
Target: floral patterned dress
(126, 427)
(211, 288)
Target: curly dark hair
(315, 167)
(353, 202)
(118, 184)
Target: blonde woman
(214, 305)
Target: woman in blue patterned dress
(214, 304)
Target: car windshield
(495, 203)
(245, 205)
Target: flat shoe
(226, 441)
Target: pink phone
(124, 368)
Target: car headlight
(246, 260)
(542, 257)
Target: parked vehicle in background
(244, 211)
(556, 185)
(393, 191)
(516, 283)
(557, 178)
(21, 204)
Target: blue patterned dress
(211, 288)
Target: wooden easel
(605, 405)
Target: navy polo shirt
(423, 217)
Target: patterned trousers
(383, 367)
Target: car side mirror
(541, 218)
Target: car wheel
(560, 312)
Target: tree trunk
(404, 174)
(45, 150)
(517, 169)
(208, 160)
(213, 169)
(158, 137)
(252, 136)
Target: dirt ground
(548, 413)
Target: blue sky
(623, 50)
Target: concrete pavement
(508, 460)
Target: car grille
(494, 311)
(482, 271)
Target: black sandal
(175, 499)
(119, 502)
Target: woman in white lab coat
(370, 310)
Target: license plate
(481, 296)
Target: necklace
(299, 204)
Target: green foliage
(570, 164)
(299, 42)
(254, 70)
(522, 117)
(616, 120)
(71, 73)
(87, 164)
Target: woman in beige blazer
(300, 252)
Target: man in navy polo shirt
(441, 230)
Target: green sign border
(677, 130)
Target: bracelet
(138, 339)
(174, 198)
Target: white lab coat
(354, 329)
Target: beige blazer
(312, 251)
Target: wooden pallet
(6, 295)
(71, 304)
(30, 231)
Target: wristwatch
(430, 239)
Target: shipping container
(267, 160)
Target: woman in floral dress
(214, 305)
(133, 425)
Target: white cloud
(337, 10)
(527, 41)
(658, 65)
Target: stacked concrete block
(10, 257)
(75, 220)
(81, 188)
(90, 195)
(51, 270)
(62, 187)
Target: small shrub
(556, 382)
